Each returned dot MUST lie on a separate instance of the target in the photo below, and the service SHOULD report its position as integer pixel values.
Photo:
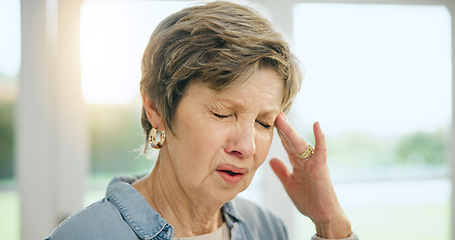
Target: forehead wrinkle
(233, 103)
(245, 96)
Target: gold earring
(153, 136)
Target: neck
(190, 215)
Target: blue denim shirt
(125, 214)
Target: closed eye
(221, 116)
(266, 126)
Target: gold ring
(307, 153)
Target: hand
(309, 185)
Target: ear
(153, 116)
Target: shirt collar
(231, 213)
(142, 218)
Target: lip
(230, 173)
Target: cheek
(210, 138)
(202, 146)
(263, 142)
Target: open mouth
(229, 172)
(231, 169)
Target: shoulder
(101, 220)
(259, 221)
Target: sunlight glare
(113, 38)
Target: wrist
(334, 228)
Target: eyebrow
(239, 104)
(267, 114)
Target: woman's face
(223, 137)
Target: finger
(281, 171)
(320, 146)
(293, 142)
(284, 141)
(319, 137)
(279, 122)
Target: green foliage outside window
(117, 140)
(7, 126)
(417, 148)
(6, 140)
(423, 148)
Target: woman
(216, 80)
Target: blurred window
(378, 78)
(10, 53)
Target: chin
(221, 196)
(230, 194)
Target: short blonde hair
(217, 44)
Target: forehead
(263, 89)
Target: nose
(242, 143)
